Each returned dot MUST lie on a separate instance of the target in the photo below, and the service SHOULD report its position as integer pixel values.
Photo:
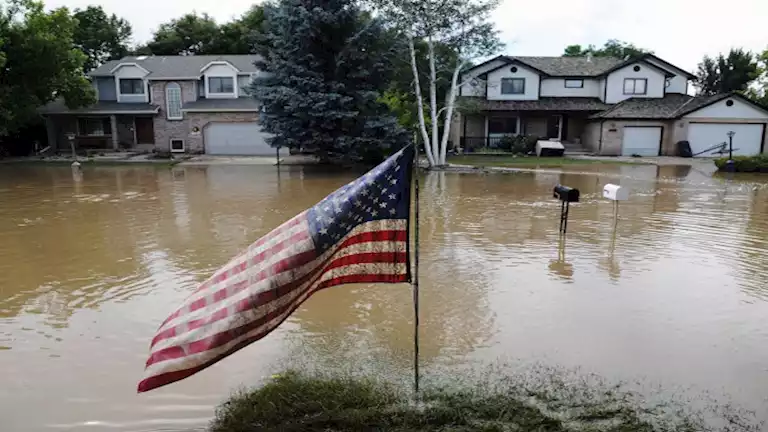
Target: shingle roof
(102, 107)
(240, 104)
(178, 66)
(570, 66)
(542, 104)
(648, 108)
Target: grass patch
(300, 402)
(749, 164)
(526, 161)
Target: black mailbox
(566, 194)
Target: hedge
(744, 163)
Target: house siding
(105, 87)
(130, 71)
(556, 87)
(477, 87)
(615, 83)
(493, 91)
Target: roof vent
(141, 58)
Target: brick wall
(192, 127)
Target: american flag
(357, 234)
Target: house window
(173, 102)
(177, 145)
(635, 86)
(94, 126)
(221, 85)
(502, 125)
(131, 86)
(574, 83)
(512, 85)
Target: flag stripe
(298, 265)
(242, 302)
(186, 365)
(162, 379)
(250, 317)
(290, 230)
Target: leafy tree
(200, 34)
(758, 91)
(612, 48)
(191, 34)
(724, 74)
(39, 63)
(327, 65)
(461, 26)
(100, 36)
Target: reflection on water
(674, 290)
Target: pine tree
(327, 64)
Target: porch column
(113, 126)
(50, 128)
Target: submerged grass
(297, 401)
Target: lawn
(527, 161)
(297, 402)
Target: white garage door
(244, 138)
(746, 141)
(643, 141)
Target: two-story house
(609, 106)
(190, 104)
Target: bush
(745, 163)
(519, 144)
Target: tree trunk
(450, 101)
(433, 102)
(420, 104)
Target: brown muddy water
(676, 295)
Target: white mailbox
(615, 192)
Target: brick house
(185, 104)
(602, 105)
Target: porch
(100, 127)
(486, 130)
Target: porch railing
(475, 144)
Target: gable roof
(671, 106)
(179, 66)
(581, 66)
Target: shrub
(757, 163)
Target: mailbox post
(566, 195)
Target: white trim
(217, 95)
(183, 145)
(221, 110)
(173, 78)
(167, 101)
(220, 63)
(128, 64)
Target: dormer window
(131, 86)
(511, 86)
(221, 85)
(635, 86)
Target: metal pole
(416, 273)
(730, 146)
(565, 225)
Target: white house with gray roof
(190, 104)
(605, 105)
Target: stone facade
(191, 128)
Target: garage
(241, 138)
(641, 141)
(747, 138)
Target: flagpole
(416, 273)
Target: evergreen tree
(326, 65)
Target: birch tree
(464, 26)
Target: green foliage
(40, 62)
(757, 163)
(725, 74)
(100, 36)
(547, 400)
(328, 65)
(612, 48)
(519, 144)
(194, 34)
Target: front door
(145, 130)
(554, 123)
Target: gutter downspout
(600, 142)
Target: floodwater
(676, 293)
